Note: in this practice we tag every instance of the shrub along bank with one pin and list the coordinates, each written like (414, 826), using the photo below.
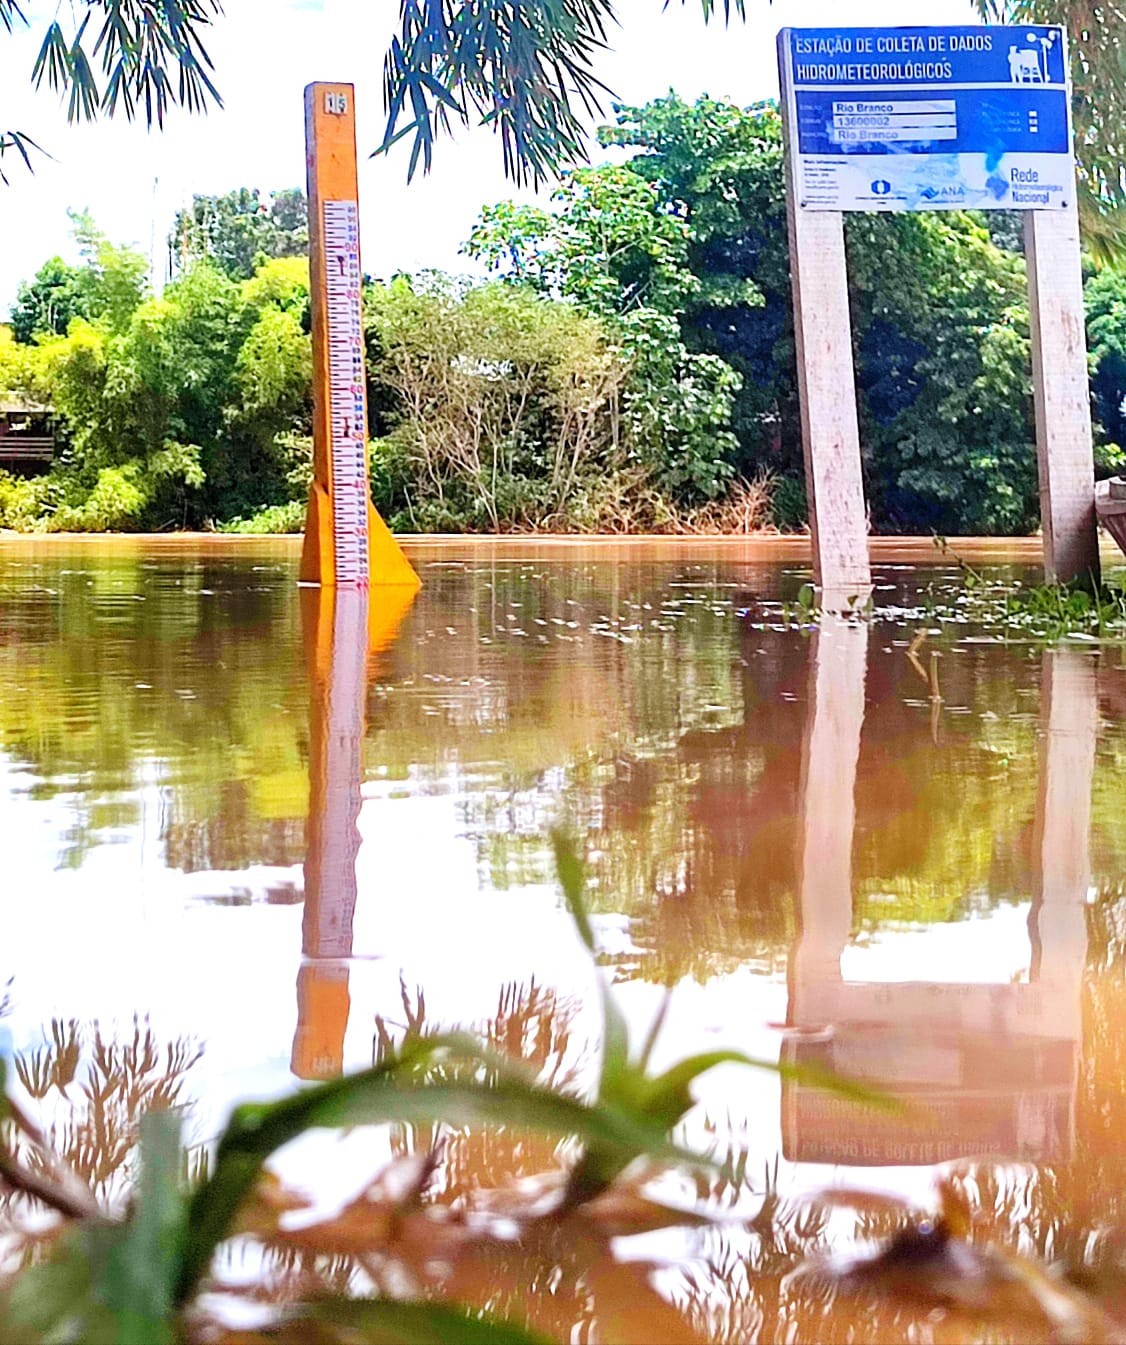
(629, 366)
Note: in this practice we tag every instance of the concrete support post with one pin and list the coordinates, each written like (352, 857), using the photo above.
(827, 387)
(1062, 395)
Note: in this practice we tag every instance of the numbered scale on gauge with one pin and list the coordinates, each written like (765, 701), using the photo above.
(347, 416)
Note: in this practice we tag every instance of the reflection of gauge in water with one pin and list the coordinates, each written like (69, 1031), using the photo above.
(346, 391)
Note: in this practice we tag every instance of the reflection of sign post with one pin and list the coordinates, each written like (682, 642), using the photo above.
(931, 119)
(346, 542)
(982, 1068)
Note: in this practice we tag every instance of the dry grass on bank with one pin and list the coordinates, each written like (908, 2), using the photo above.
(627, 503)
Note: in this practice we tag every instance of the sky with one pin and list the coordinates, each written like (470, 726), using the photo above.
(134, 180)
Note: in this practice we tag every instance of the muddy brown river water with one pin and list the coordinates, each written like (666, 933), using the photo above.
(230, 860)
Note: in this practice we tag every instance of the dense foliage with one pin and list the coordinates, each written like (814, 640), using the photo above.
(173, 411)
(630, 367)
(501, 407)
(238, 230)
(939, 313)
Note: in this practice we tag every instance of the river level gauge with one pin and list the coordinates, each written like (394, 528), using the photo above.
(346, 541)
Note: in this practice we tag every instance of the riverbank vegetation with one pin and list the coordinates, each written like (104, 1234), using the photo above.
(627, 364)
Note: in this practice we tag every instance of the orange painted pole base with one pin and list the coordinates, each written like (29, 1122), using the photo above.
(323, 1005)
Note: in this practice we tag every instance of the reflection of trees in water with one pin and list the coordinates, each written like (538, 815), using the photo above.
(531, 1024)
(118, 674)
(666, 725)
(696, 839)
(91, 1092)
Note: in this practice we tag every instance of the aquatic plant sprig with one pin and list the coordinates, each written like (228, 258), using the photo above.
(652, 1102)
(1041, 613)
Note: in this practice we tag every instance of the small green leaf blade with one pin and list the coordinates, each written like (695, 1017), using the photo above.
(385, 1322)
(143, 1266)
(569, 869)
(394, 1091)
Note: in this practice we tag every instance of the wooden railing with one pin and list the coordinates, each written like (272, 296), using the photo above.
(34, 446)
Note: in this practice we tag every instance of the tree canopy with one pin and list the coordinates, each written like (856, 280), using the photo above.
(239, 230)
(631, 367)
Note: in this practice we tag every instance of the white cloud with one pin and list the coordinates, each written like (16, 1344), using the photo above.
(134, 180)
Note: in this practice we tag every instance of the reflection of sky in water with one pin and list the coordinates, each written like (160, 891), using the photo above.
(628, 697)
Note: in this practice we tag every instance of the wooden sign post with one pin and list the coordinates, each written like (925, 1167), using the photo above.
(346, 541)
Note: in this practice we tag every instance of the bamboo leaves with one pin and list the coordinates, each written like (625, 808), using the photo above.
(516, 66)
(150, 53)
(525, 67)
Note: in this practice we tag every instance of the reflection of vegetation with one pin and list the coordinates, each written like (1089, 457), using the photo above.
(136, 1278)
(115, 677)
(531, 1024)
(627, 699)
(98, 1091)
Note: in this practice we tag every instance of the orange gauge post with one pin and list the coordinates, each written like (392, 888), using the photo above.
(346, 541)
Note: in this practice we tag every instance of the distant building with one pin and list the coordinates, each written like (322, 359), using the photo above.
(26, 437)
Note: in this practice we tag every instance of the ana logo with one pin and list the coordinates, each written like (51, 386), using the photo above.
(942, 193)
(881, 187)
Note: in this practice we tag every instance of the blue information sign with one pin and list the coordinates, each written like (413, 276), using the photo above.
(928, 118)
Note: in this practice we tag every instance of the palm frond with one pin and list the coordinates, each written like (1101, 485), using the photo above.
(11, 14)
(21, 144)
(524, 67)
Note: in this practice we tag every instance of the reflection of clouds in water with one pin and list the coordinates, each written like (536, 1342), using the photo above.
(987, 949)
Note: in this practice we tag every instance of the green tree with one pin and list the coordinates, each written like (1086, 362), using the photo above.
(499, 408)
(196, 408)
(237, 231)
(612, 247)
(1106, 334)
(108, 286)
(718, 170)
(49, 301)
(944, 365)
(695, 224)
(939, 322)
